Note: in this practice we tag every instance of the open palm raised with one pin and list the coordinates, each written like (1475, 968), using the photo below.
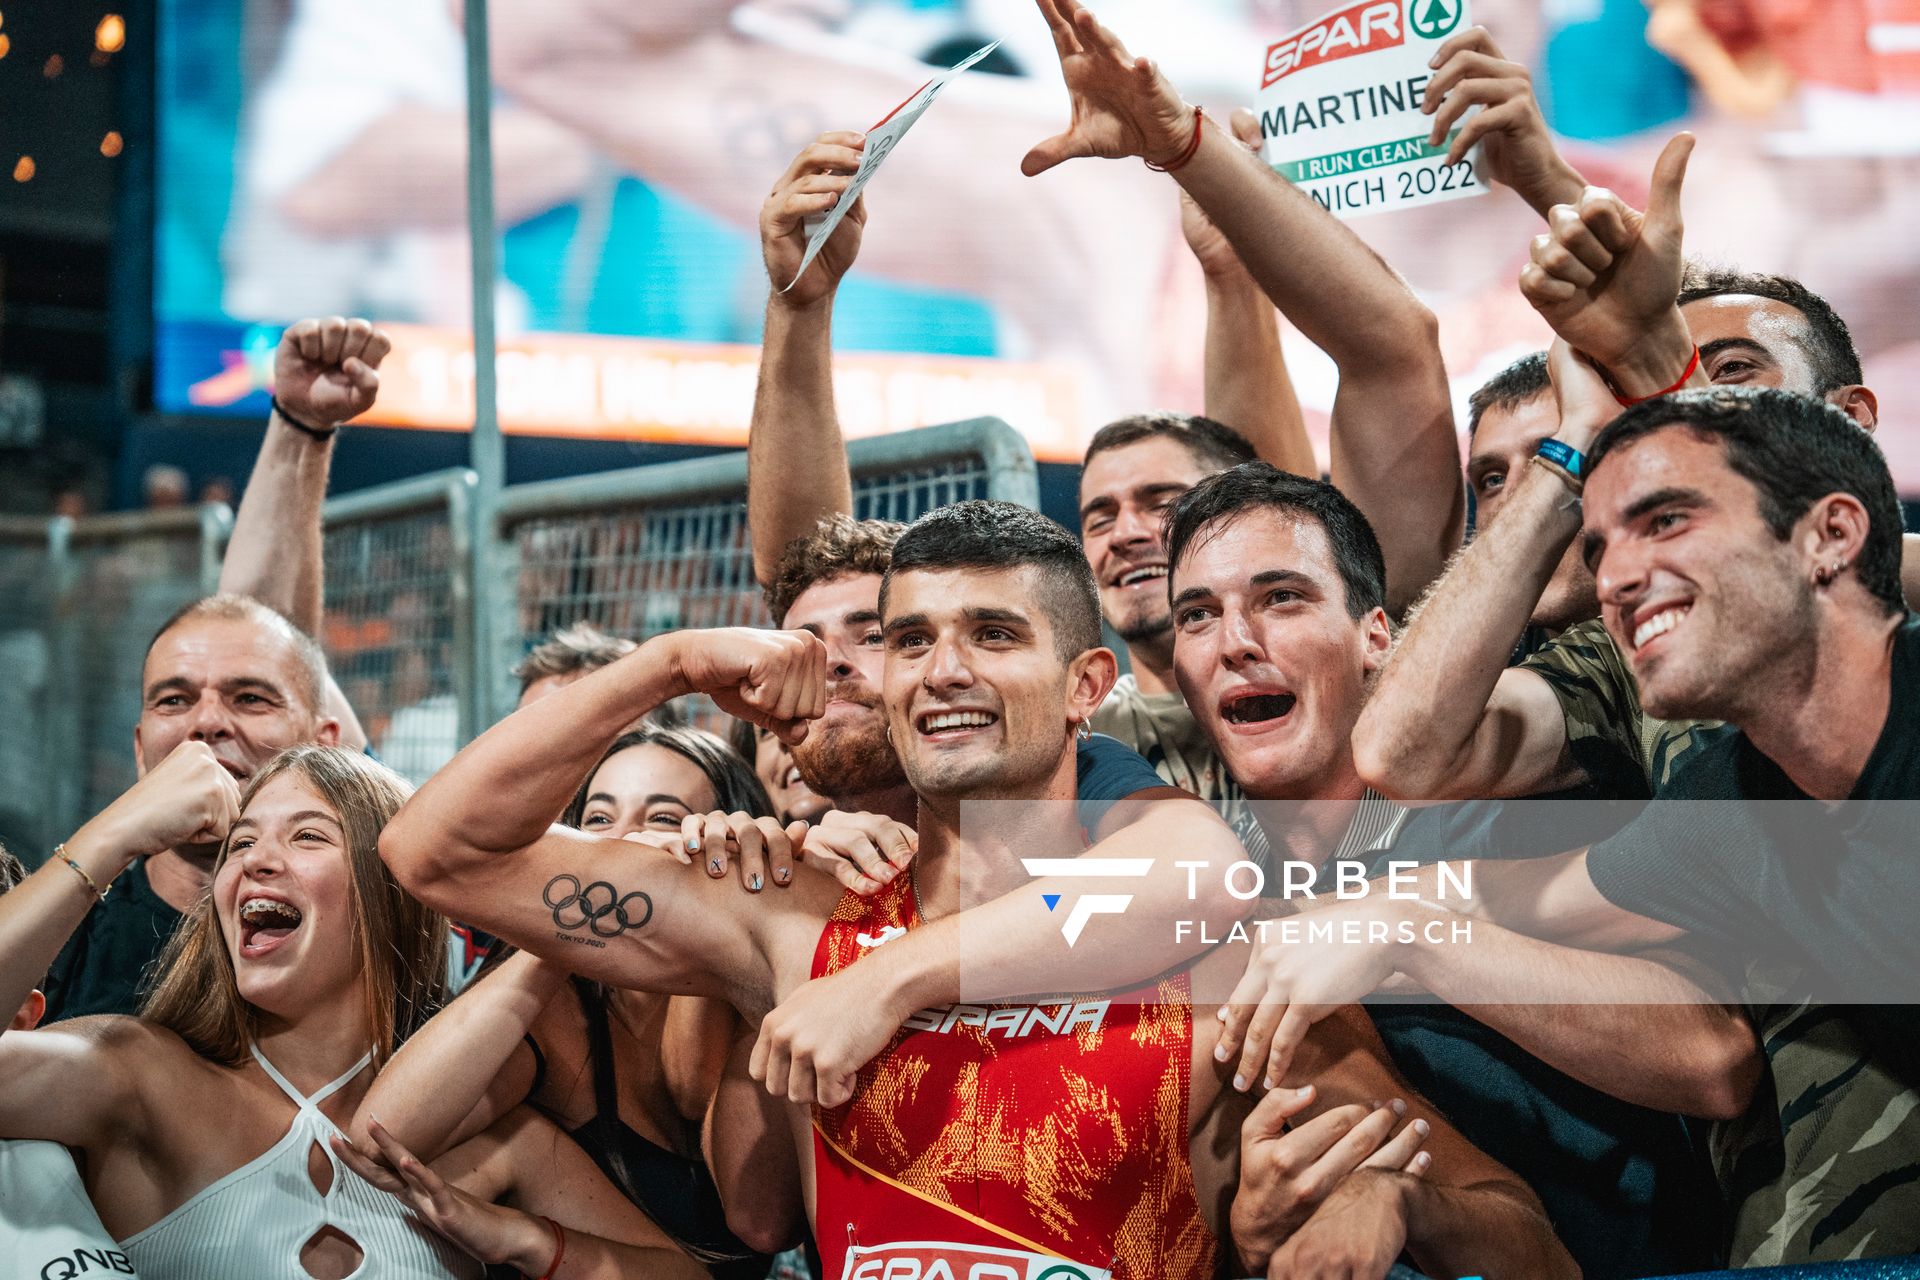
(1122, 105)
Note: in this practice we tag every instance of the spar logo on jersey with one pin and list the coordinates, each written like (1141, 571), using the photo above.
(940, 1260)
(1014, 1021)
(1088, 905)
(1360, 28)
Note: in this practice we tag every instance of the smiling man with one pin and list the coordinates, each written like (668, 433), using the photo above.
(992, 664)
(1279, 625)
(1705, 512)
(229, 672)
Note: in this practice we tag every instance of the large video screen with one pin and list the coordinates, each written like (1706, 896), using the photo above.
(313, 163)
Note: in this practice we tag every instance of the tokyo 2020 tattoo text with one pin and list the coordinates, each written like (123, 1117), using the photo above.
(596, 907)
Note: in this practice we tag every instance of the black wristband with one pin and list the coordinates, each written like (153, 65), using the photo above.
(318, 433)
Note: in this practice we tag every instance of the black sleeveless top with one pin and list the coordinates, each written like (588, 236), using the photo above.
(676, 1191)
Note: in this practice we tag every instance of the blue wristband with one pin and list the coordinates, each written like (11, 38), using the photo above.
(1561, 454)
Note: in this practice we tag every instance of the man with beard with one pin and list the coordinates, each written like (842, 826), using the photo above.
(230, 671)
(772, 761)
(990, 620)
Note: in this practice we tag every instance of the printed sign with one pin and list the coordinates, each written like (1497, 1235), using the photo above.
(1340, 108)
(881, 140)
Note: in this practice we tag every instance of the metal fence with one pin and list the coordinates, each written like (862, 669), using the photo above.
(398, 629)
(79, 602)
(660, 548)
(634, 552)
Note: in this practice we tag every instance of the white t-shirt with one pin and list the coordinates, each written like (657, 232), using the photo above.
(48, 1227)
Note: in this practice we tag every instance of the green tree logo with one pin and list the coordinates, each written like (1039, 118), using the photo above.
(1431, 19)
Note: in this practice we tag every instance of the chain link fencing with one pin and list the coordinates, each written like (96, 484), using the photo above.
(636, 553)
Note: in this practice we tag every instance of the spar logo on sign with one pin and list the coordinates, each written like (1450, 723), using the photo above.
(1432, 19)
(1359, 28)
(940, 1260)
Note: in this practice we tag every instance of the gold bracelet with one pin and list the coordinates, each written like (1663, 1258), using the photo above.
(60, 852)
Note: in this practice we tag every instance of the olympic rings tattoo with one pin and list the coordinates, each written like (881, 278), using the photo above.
(598, 906)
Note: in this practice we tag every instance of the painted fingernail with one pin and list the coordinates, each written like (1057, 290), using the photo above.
(1399, 1107)
(1222, 1015)
(693, 846)
(1240, 1083)
(716, 866)
(1268, 1083)
(783, 875)
(1221, 1053)
(1420, 1127)
(1421, 1161)
(753, 882)
(1303, 1091)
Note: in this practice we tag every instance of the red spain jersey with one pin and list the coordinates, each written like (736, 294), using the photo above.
(1012, 1141)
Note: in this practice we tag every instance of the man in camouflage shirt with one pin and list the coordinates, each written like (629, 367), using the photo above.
(1804, 1169)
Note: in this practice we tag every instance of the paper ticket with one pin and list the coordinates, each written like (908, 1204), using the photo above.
(881, 140)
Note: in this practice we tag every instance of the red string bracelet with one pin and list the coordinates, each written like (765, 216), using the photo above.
(1193, 145)
(559, 1249)
(1630, 401)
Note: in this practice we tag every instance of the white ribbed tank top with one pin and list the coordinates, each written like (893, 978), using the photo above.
(255, 1220)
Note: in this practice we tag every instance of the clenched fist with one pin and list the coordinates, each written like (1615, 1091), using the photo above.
(188, 798)
(775, 679)
(325, 371)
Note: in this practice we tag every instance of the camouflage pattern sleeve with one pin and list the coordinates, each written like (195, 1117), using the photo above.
(1598, 699)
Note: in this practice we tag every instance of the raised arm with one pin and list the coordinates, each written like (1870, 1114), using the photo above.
(1247, 383)
(1515, 148)
(1488, 730)
(797, 470)
(325, 372)
(1607, 276)
(1393, 440)
(188, 797)
(475, 841)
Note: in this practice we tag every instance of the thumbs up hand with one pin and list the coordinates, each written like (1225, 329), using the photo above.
(1606, 276)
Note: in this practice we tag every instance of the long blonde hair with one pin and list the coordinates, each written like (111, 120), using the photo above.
(403, 945)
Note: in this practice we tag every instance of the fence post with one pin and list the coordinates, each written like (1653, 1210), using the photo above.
(463, 600)
(66, 761)
(216, 523)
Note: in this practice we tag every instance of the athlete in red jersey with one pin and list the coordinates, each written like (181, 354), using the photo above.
(1121, 1152)
(1054, 1128)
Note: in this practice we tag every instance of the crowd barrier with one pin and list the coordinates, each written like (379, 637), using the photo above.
(655, 549)
(635, 552)
(79, 601)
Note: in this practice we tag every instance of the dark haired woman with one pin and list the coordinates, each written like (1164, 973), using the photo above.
(631, 1075)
